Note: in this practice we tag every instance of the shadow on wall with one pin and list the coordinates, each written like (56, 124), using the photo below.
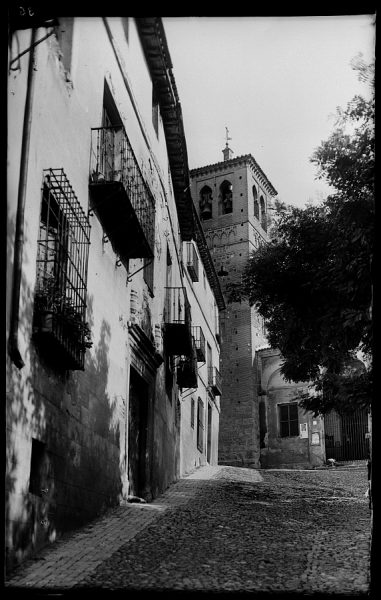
(62, 440)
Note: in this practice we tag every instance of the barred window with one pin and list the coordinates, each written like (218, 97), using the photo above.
(200, 424)
(288, 419)
(62, 258)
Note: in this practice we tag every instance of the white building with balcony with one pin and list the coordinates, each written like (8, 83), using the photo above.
(112, 389)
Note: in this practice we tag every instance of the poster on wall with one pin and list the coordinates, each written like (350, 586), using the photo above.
(303, 430)
(315, 439)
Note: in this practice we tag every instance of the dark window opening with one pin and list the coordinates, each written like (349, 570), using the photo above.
(206, 211)
(288, 420)
(192, 413)
(263, 213)
(226, 198)
(256, 204)
(37, 476)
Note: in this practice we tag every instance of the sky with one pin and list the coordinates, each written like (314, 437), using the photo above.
(274, 82)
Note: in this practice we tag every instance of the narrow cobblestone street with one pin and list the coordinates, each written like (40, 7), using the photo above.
(221, 529)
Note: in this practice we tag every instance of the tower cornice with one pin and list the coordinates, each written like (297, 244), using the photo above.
(244, 160)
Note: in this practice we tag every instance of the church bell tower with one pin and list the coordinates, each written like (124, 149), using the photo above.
(233, 198)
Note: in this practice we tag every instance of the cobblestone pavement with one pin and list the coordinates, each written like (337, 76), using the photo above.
(222, 529)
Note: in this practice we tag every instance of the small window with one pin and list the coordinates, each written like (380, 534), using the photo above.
(200, 424)
(37, 476)
(288, 420)
(192, 413)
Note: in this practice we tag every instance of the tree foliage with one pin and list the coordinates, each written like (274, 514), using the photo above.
(312, 282)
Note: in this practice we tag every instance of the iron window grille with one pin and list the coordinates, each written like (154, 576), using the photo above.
(199, 339)
(288, 420)
(62, 260)
(214, 381)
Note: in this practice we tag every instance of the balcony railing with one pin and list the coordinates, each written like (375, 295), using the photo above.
(199, 339)
(192, 260)
(214, 381)
(120, 197)
(177, 319)
(187, 371)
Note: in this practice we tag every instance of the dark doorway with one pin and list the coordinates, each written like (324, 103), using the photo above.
(137, 434)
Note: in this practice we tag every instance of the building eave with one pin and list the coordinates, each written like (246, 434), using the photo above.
(207, 261)
(156, 52)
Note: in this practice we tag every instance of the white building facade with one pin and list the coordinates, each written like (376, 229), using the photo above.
(98, 289)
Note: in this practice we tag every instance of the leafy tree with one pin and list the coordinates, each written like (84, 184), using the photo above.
(312, 283)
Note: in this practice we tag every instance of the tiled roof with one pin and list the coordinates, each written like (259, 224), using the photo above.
(156, 51)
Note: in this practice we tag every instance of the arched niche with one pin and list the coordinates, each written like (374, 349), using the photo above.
(205, 203)
(262, 206)
(256, 203)
(226, 198)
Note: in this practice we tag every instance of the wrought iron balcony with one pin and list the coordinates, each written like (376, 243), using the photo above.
(214, 381)
(187, 371)
(199, 339)
(191, 260)
(119, 195)
(177, 318)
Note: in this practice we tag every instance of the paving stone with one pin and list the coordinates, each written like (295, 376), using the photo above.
(223, 529)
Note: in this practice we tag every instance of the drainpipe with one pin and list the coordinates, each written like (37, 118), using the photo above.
(13, 348)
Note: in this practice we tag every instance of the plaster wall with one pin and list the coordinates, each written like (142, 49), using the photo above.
(304, 450)
(82, 417)
(204, 314)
